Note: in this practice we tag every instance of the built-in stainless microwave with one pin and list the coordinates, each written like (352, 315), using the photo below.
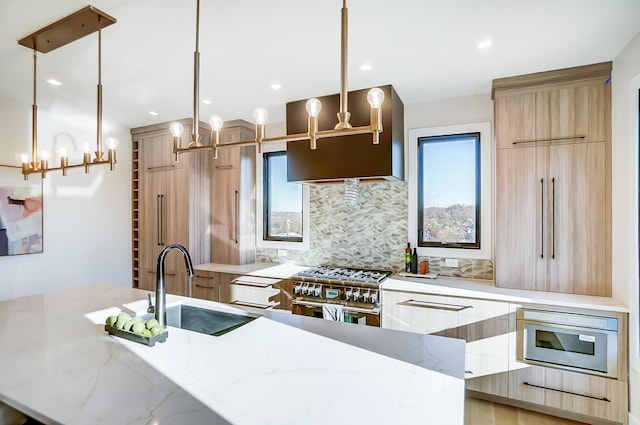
(571, 341)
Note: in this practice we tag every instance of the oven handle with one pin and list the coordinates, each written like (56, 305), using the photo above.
(434, 305)
(375, 310)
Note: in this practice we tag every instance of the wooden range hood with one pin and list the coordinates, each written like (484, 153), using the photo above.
(351, 156)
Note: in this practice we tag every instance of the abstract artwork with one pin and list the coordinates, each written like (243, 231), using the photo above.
(20, 213)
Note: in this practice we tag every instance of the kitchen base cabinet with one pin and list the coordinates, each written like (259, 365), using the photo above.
(570, 392)
(206, 285)
(175, 282)
(484, 324)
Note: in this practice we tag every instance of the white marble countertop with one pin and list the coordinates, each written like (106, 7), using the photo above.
(58, 364)
(485, 289)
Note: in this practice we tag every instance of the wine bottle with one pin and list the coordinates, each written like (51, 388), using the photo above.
(407, 258)
(414, 261)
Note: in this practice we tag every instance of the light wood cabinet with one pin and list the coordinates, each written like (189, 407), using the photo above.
(484, 324)
(553, 184)
(571, 392)
(207, 284)
(233, 197)
(167, 207)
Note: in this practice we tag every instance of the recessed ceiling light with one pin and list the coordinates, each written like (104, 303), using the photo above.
(153, 113)
(53, 82)
(206, 102)
(276, 86)
(484, 44)
(365, 67)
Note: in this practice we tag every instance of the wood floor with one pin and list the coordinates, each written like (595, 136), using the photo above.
(481, 412)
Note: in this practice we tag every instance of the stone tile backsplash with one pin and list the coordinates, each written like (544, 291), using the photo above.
(372, 235)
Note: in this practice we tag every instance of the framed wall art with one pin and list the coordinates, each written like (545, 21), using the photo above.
(20, 213)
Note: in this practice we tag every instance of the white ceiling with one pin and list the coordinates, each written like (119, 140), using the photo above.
(426, 49)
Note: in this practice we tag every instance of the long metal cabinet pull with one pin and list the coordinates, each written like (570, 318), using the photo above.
(160, 219)
(435, 305)
(542, 218)
(553, 218)
(566, 392)
(237, 216)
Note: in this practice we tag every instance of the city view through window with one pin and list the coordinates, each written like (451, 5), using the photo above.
(449, 190)
(283, 206)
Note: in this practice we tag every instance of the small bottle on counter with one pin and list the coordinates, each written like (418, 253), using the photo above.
(407, 258)
(414, 261)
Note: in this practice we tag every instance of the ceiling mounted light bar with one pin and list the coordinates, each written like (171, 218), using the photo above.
(375, 97)
(58, 34)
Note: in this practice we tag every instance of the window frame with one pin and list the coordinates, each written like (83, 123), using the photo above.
(306, 231)
(443, 138)
(266, 198)
(486, 189)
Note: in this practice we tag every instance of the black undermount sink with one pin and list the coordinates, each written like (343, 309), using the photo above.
(204, 320)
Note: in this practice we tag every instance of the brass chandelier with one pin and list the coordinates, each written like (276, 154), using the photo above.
(375, 97)
(60, 33)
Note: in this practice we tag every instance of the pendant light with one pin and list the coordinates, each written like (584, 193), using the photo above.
(58, 34)
(375, 97)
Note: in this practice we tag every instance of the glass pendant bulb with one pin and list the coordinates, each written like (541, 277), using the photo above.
(63, 152)
(216, 122)
(44, 155)
(112, 143)
(24, 158)
(314, 106)
(176, 129)
(260, 116)
(375, 97)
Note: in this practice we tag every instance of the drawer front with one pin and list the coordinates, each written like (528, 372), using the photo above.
(206, 287)
(253, 296)
(580, 393)
(175, 282)
(426, 313)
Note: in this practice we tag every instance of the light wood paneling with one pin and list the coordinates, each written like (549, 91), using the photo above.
(578, 231)
(482, 412)
(554, 134)
(233, 198)
(520, 219)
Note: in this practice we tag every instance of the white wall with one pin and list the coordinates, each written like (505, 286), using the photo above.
(87, 218)
(626, 83)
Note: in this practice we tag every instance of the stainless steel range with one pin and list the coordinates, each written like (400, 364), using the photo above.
(353, 293)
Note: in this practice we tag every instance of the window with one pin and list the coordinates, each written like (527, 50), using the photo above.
(449, 191)
(433, 143)
(282, 201)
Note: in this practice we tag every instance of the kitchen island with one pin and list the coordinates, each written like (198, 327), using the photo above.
(58, 365)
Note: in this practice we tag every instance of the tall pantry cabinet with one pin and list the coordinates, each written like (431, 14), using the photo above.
(553, 184)
(169, 203)
(233, 197)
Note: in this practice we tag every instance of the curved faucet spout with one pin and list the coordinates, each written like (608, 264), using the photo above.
(161, 289)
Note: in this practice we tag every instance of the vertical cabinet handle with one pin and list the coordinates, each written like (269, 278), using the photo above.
(160, 217)
(542, 218)
(237, 216)
(553, 218)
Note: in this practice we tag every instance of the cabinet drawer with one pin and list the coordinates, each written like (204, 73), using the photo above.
(206, 287)
(574, 392)
(175, 282)
(253, 296)
(427, 313)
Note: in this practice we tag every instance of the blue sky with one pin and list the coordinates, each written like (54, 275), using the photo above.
(449, 173)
